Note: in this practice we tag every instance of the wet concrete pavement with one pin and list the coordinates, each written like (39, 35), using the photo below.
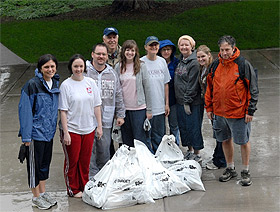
(262, 195)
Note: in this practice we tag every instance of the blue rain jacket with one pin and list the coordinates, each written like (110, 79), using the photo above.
(171, 66)
(38, 109)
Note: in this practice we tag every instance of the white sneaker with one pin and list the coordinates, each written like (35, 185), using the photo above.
(211, 166)
(49, 199)
(41, 203)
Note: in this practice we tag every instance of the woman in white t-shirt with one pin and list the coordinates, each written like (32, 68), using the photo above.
(136, 94)
(79, 105)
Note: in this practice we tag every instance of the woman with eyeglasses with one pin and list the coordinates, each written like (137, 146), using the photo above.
(167, 50)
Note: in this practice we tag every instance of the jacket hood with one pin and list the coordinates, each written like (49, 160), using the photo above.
(164, 43)
(189, 58)
(91, 67)
(40, 75)
(232, 58)
(55, 78)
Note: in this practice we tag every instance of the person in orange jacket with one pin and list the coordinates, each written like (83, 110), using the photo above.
(231, 102)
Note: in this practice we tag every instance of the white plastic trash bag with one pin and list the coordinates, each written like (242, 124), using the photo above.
(119, 183)
(160, 182)
(168, 150)
(127, 184)
(189, 171)
(96, 190)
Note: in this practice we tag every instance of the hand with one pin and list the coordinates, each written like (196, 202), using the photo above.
(67, 139)
(248, 118)
(187, 109)
(27, 143)
(120, 121)
(167, 110)
(210, 115)
(99, 132)
(149, 115)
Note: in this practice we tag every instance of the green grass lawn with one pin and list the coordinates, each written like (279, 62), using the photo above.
(254, 24)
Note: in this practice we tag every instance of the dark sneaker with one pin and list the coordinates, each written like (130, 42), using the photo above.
(197, 158)
(41, 203)
(49, 199)
(227, 175)
(189, 155)
(245, 178)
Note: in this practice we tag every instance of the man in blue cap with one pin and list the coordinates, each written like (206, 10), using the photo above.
(111, 39)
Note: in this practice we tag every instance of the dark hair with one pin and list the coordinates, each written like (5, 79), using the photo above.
(73, 58)
(99, 44)
(130, 44)
(227, 39)
(44, 59)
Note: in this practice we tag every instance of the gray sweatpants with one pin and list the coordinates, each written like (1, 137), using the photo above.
(100, 152)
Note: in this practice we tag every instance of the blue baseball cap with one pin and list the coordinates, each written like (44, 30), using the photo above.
(151, 39)
(110, 30)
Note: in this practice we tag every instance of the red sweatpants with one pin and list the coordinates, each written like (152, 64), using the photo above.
(77, 159)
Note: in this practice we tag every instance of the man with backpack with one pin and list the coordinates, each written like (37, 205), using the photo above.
(230, 101)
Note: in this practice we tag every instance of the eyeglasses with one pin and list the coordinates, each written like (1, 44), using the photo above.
(166, 50)
(99, 54)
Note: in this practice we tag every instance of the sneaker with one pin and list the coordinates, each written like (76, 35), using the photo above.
(227, 175)
(211, 166)
(189, 155)
(197, 158)
(245, 178)
(49, 199)
(41, 203)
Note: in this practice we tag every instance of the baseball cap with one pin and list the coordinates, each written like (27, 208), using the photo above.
(151, 39)
(110, 30)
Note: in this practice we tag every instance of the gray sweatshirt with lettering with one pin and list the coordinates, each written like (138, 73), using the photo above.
(111, 93)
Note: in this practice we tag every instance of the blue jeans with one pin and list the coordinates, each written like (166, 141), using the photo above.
(190, 126)
(157, 130)
(133, 128)
(173, 124)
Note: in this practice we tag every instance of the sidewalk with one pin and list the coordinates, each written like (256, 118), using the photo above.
(262, 195)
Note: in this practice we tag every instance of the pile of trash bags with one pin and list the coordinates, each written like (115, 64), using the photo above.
(136, 176)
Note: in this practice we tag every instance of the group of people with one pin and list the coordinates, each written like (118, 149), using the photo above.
(118, 87)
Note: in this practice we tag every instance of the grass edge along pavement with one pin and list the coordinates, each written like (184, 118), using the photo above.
(254, 24)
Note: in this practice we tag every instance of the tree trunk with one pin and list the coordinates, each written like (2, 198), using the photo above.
(132, 5)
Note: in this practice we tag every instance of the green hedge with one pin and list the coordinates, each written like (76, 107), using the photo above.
(254, 24)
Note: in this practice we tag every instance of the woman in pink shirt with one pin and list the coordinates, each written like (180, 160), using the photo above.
(136, 94)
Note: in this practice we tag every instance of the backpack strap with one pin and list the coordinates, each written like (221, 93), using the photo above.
(213, 67)
(240, 61)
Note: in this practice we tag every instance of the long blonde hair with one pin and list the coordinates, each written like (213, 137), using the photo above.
(130, 44)
(206, 50)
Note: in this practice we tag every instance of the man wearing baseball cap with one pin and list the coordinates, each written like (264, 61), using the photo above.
(111, 39)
